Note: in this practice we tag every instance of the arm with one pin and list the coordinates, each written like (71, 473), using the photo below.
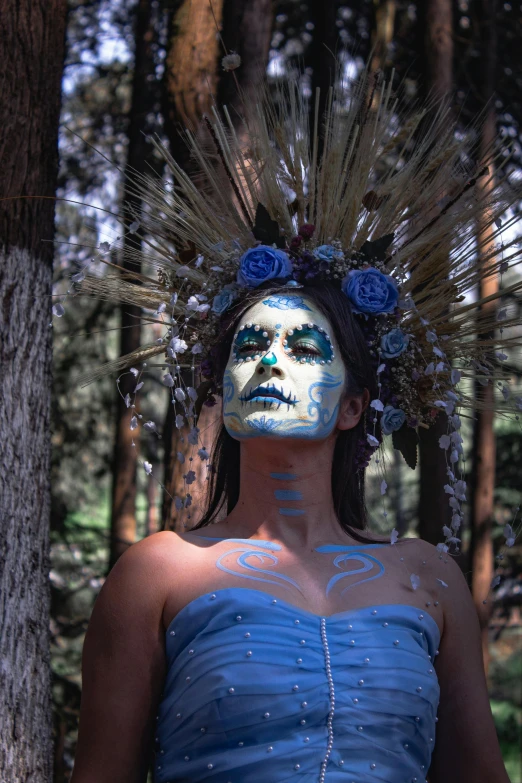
(466, 747)
(123, 669)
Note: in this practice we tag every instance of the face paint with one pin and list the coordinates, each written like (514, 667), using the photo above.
(284, 377)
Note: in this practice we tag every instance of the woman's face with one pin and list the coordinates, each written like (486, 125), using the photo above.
(285, 377)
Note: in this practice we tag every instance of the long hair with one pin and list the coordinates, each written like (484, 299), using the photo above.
(360, 364)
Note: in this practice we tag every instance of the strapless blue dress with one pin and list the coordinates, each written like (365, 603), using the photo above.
(260, 691)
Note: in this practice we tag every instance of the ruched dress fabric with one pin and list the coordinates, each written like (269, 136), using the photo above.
(260, 691)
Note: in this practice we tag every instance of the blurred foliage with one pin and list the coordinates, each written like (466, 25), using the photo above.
(93, 142)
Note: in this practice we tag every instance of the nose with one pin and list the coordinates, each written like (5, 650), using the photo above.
(268, 367)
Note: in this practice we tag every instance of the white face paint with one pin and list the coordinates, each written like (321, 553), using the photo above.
(285, 377)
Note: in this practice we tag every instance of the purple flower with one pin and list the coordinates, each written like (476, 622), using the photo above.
(263, 263)
(370, 292)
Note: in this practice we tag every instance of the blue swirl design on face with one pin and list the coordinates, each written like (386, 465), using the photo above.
(322, 419)
(263, 424)
(352, 553)
(246, 553)
(228, 387)
(281, 302)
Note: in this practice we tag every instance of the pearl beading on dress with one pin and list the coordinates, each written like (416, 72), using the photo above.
(331, 689)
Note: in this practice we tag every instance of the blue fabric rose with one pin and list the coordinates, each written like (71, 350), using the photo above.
(224, 299)
(327, 253)
(370, 292)
(392, 419)
(262, 263)
(393, 343)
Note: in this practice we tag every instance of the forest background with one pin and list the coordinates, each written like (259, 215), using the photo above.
(85, 82)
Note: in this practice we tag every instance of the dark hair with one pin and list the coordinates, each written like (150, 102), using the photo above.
(347, 476)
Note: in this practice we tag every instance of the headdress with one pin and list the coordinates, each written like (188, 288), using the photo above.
(383, 205)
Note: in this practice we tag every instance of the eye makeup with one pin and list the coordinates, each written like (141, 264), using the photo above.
(309, 343)
(250, 342)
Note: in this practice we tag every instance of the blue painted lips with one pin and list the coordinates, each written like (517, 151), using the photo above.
(268, 394)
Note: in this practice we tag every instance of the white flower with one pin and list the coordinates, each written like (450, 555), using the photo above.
(177, 345)
(455, 377)
(138, 386)
(133, 422)
(192, 303)
(394, 536)
(460, 490)
(168, 380)
(377, 405)
(384, 487)
(193, 436)
(150, 426)
(179, 421)
(181, 457)
(372, 441)
(231, 61)
(147, 467)
(134, 371)
(58, 310)
(444, 441)
(179, 394)
(197, 348)
(415, 581)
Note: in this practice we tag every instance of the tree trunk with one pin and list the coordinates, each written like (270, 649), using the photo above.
(247, 30)
(436, 37)
(32, 37)
(322, 55)
(123, 515)
(383, 25)
(191, 72)
(484, 448)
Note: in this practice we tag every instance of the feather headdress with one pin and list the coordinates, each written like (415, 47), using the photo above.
(394, 209)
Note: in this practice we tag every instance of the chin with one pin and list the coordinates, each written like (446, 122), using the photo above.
(275, 425)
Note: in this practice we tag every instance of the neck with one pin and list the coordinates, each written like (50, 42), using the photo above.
(286, 493)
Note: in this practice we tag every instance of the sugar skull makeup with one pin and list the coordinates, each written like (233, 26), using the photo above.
(284, 377)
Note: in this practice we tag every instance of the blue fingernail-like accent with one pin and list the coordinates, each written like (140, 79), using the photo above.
(291, 512)
(284, 476)
(288, 494)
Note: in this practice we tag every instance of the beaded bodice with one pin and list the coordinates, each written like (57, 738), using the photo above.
(258, 689)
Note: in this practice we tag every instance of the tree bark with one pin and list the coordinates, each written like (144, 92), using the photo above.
(382, 32)
(484, 445)
(436, 36)
(191, 72)
(32, 37)
(247, 30)
(123, 512)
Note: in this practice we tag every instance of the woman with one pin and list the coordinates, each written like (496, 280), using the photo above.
(283, 643)
(286, 642)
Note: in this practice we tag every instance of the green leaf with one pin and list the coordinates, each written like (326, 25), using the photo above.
(405, 440)
(376, 249)
(267, 230)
